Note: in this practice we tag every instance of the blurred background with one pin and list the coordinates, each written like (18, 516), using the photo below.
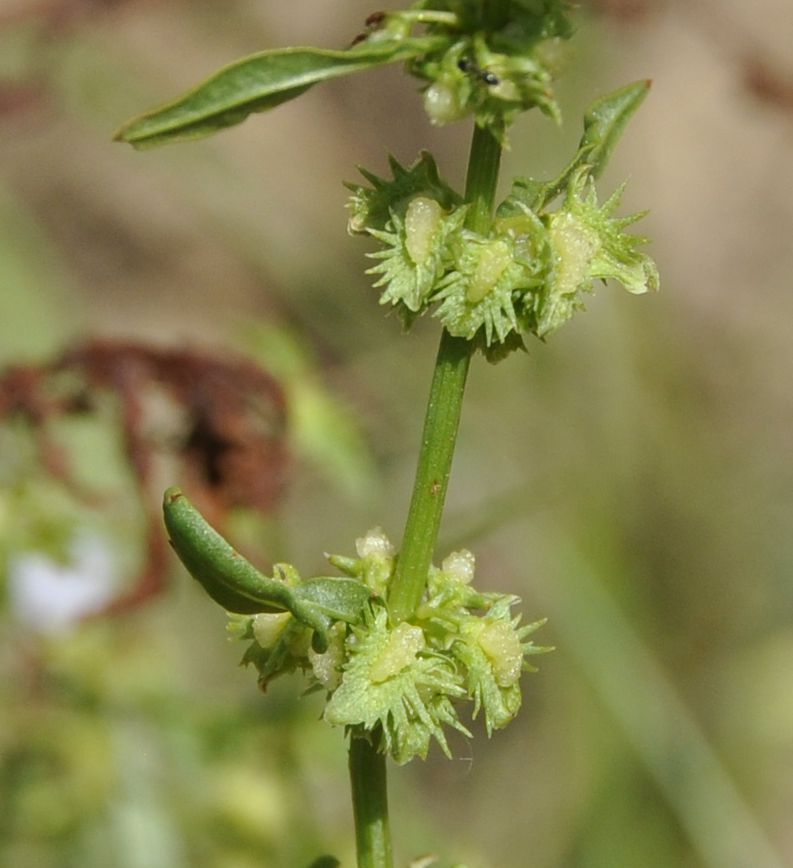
(632, 479)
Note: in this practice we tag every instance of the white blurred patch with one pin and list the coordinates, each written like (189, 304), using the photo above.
(51, 597)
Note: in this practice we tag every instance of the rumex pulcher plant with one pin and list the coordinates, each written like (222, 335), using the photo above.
(398, 644)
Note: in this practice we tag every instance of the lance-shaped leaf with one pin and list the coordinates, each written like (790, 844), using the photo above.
(604, 123)
(260, 82)
(239, 587)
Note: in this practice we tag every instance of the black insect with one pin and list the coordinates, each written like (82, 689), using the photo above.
(374, 20)
(372, 23)
(466, 65)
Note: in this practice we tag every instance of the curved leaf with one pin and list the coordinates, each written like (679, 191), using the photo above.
(260, 82)
(239, 587)
(225, 574)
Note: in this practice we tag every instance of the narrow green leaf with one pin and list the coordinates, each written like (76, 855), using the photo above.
(225, 574)
(260, 82)
(604, 123)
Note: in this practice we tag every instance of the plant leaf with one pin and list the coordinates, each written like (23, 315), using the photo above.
(260, 82)
(604, 123)
(339, 598)
(226, 575)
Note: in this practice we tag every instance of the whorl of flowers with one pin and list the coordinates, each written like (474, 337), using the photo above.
(405, 683)
(527, 275)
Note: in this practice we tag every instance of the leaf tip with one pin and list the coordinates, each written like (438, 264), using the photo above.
(172, 494)
(124, 132)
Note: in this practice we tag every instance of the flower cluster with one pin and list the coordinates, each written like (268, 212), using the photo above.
(526, 275)
(493, 70)
(404, 682)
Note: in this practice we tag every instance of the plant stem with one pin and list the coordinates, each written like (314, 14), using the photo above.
(443, 409)
(367, 766)
(432, 476)
(369, 801)
(482, 178)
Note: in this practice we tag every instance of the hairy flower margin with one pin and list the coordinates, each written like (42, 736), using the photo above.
(526, 276)
(405, 683)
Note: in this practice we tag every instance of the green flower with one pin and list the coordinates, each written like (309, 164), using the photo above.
(374, 565)
(526, 275)
(586, 243)
(326, 667)
(481, 291)
(478, 632)
(417, 252)
(394, 682)
(373, 207)
(404, 683)
(415, 216)
(494, 75)
(492, 651)
(286, 651)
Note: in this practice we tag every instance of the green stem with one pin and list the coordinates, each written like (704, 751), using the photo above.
(367, 766)
(432, 476)
(369, 801)
(443, 409)
(482, 178)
